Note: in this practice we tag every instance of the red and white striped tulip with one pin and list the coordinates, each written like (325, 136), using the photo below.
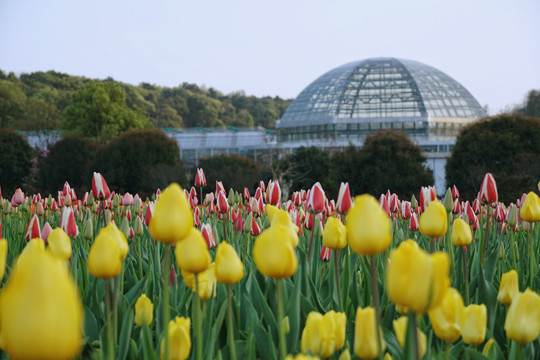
(67, 189)
(67, 222)
(222, 203)
(414, 224)
(326, 253)
(100, 190)
(344, 201)
(262, 186)
(455, 192)
(273, 193)
(219, 187)
(406, 211)
(127, 199)
(500, 213)
(245, 194)
(32, 229)
(46, 231)
(427, 195)
(148, 213)
(316, 199)
(17, 198)
(208, 235)
(255, 228)
(488, 190)
(200, 179)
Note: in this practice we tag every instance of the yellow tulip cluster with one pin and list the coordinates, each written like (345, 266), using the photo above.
(323, 334)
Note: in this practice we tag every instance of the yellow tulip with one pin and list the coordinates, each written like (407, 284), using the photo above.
(172, 219)
(334, 234)
(282, 218)
(301, 357)
(271, 210)
(3, 256)
(487, 347)
(446, 318)
(368, 226)
(473, 328)
(323, 335)
(192, 253)
(59, 244)
(345, 355)
(207, 282)
(400, 328)
(522, 322)
(229, 268)
(42, 313)
(415, 279)
(365, 341)
(112, 230)
(530, 209)
(461, 233)
(144, 310)
(179, 339)
(509, 287)
(433, 220)
(104, 258)
(274, 253)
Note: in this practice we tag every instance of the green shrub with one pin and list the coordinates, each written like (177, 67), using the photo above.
(140, 161)
(15, 155)
(70, 160)
(508, 146)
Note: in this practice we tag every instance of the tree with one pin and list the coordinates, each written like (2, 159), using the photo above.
(508, 146)
(12, 102)
(99, 111)
(308, 166)
(15, 155)
(69, 159)
(387, 161)
(140, 161)
(531, 105)
(233, 171)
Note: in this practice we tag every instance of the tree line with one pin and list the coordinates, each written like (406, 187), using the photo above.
(103, 109)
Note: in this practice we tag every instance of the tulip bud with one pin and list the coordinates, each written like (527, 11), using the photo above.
(192, 253)
(67, 222)
(473, 328)
(316, 199)
(334, 234)
(222, 202)
(365, 341)
(229, 269)
(414, 224)
(509, 287)
(461, 233)
(179, 339)
(247, 223)
(512, 215)
(255, 227)
(172, 219)
(100, 190)
(448, 202)
(273, 195)
(207, 282)
(200, 179)
(124, 227)
(530, 209)
(433, 220)
(104, 258)
(368, 226)
(3, 257)
(88, 229)
(32, 229)
(400, 328)
(274, 252)
(522, 322)
(40, 303)
(488, 189)
(144, 310)
(59, 244)
(208, 235)
(326, 254)
(447, 318)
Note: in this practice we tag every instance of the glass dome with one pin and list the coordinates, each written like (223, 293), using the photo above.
(381, 93)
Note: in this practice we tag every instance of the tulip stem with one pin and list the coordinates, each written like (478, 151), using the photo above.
(336, 268)
(412, 327)
(465, 276)
(201, 199)
(110, 348)
(513, 245)
(140, 256)
(375, 295)
(282, 347)
(531, 256)
(447, 351)
(197, 316)
(311, 238)
(432, 244)
(224, 227)
(486, 233)
(232, 347)
(166, 299)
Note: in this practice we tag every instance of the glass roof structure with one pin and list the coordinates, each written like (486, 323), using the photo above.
(381, 90)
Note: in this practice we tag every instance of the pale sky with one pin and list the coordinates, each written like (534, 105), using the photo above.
(276, 47)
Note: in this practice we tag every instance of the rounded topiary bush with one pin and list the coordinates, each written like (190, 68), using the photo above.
(507, 145)
(15, 155)
(140, 161)
(70, 160)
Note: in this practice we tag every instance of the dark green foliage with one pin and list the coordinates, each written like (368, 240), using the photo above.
(308, 166)
(233, 171)
(70, 160)
(531, 104)
(508, 146)
(15, 155)
(140, 161)
(388, 160)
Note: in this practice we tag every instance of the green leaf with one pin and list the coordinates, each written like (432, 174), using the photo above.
(147, 344)
(91, 328)
(125, 335)
(133, 294)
